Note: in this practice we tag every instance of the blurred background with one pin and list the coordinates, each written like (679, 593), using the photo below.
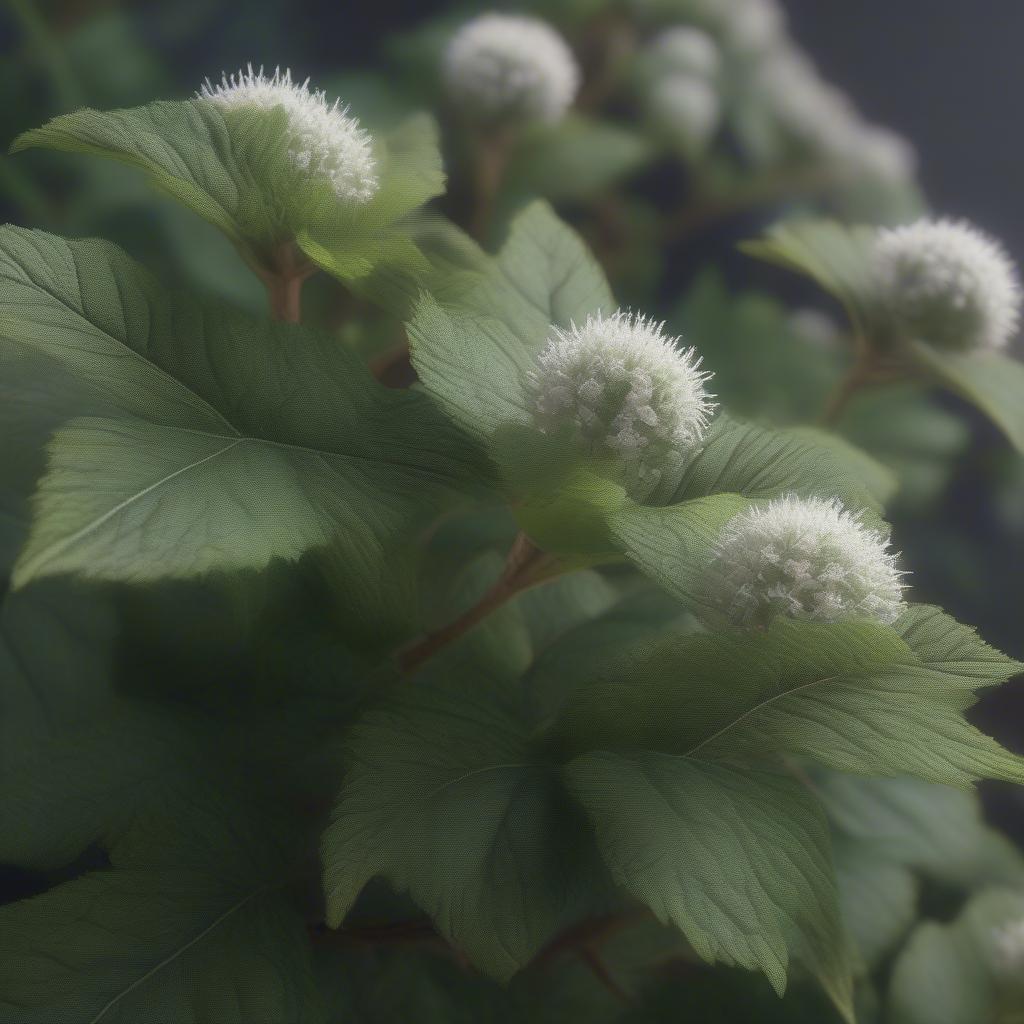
(944, 74)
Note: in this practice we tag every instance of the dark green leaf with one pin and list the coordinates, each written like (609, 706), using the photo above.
(213, 441)
(737, 859)
(446, 798)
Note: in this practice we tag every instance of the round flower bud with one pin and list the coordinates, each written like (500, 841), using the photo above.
(500, 67)
(806, 558)
(685, 50)
(754, 25)
(624, 390)
(883, 155)
(324, 140)
(684, 109)
(947, 283)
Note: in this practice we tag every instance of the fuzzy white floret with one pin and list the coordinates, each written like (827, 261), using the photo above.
(324, 140)
(508, 66)
(685, 108)
(806, 558)
(685, 50)
(948, 283)
(625, 390)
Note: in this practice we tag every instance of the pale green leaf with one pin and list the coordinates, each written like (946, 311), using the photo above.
(992, 381)
(835, 256)
(234, 169)
(855, 696)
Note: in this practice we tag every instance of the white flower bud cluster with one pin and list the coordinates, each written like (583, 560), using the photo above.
(625, 391)
(822, 118)
(324, 140)
(806, 558)
(947, 283)
(509, 67)
(686, 51)
(682, 95)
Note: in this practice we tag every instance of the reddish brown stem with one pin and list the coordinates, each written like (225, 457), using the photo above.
(523, 568)
(283, 276)
(490, 160)
(862, 374)
(593, 960)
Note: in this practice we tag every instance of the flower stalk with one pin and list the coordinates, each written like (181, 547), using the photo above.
(525, 566)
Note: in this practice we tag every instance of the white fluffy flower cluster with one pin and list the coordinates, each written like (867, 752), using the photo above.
(806, 558)
(499, 67)
(822, 118)
(947, 283)
(626, 391)
(324, 140)
(686, 51)
(682, 92)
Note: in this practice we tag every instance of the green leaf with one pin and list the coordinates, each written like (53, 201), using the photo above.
(576, 160)
(992, 381)
(877, 897)
(737, 859)
(233, 168)
(951, 974)
(833, 255)
(213, 441)
(854, 696)
(446, 798)
(474, 352)
(193, 929)
(880, 481)
(760, 463)
(86, 782)
(932, 829)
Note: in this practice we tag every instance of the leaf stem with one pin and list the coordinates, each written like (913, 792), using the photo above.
(490, 159)
(283, 276)
(525, 566)
(867, 370)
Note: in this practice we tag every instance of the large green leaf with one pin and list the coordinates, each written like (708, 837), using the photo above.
(738, 859)
(992, 381)
(191, 924)
(446, 798)
(233, 168)
(208, 440)
(855, 696)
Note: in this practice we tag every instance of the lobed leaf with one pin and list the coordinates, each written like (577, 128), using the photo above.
(737, 859)
(446, 799)
(854, 696)
(207, 440)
